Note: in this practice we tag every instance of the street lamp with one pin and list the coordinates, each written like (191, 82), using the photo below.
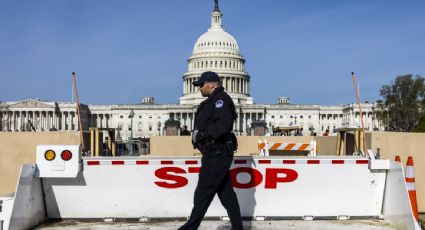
(131, 127)
(131, 131)
(270, 129)
(159, 128)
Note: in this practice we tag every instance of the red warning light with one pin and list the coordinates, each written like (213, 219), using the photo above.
(66, 155)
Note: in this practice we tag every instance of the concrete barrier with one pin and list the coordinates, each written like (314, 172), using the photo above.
(404, 145)
(19, 148)
(267, 187)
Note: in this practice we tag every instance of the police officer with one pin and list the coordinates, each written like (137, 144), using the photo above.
(212, 136)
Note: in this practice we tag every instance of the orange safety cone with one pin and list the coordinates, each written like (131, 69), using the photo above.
(261, 146)
(397, 158)
(410, 182)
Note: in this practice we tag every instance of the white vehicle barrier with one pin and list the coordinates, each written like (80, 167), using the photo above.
(162, 187)
(264, 147)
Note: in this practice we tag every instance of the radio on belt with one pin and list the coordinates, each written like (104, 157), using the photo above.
(59, 160)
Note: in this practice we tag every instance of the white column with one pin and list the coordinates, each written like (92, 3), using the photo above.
(39, 121)
(72, 118)
(20, 121)
(65, 118)
(244, 86)
(74, 121)
(110, 121)
(103, 121)
(42, 121)
(54, 120)
(12, 125)
(188, 120)
(243, 123)
(13, 121)
(98, 121)
(58, 121)
(46, 116)
(49, 120)
(61, 121)
(7, 123)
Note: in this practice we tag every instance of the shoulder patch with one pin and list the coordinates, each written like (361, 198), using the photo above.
(219, 104)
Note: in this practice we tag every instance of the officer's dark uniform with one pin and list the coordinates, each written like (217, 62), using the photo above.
(214, 122)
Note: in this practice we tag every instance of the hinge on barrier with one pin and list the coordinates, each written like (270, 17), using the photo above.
(308, 218)
(343, 217)
(143, 219)
(108, 220)
(377, 163)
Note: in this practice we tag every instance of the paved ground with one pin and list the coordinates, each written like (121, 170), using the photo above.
(225, 225)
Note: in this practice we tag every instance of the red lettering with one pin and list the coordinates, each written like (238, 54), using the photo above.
(174, 181)
(272, 176)
(255, 177)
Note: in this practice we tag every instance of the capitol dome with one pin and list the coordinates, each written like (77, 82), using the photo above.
(216, 40)
(216, 50)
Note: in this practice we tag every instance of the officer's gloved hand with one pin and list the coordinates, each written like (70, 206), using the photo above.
(194, 134)
(200, 136)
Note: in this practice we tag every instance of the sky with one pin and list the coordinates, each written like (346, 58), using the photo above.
(124, 50)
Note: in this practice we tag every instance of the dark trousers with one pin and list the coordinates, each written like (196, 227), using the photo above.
(214, 178)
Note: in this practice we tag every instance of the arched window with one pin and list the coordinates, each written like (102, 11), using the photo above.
(215, 64)
(225, 64)
(221, 64)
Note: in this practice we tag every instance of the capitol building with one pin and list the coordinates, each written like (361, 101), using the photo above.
(215, 50)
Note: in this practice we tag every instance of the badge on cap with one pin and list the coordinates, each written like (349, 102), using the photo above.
(219, 104)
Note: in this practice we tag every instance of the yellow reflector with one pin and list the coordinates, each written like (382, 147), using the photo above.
(49, 155)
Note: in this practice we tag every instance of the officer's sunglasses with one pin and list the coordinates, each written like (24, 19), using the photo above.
(203, 83)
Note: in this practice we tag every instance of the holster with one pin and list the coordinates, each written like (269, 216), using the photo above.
(229, 147)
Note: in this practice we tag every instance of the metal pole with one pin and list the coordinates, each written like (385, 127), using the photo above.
(79, 113)
(361, 111)
(131, 137)
(131, 132)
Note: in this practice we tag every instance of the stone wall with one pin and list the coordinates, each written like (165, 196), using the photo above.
(20, 148)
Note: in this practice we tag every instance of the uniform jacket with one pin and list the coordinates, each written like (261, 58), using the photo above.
(215, 116)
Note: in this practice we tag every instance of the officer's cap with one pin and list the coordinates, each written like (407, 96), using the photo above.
(208, 76)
